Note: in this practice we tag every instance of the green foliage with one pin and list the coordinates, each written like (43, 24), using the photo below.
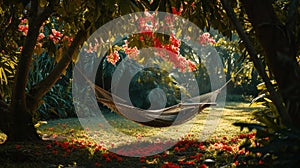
(278, 145)
(7, 73)
(57, 103)
(269, 116)
(151, 78)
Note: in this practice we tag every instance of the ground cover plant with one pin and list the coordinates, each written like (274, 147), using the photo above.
(69, 145)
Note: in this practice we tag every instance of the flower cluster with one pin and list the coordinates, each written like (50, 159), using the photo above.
(205, 39)
(113, 57)
(166, 48)
(23, 27)
(148, 24)
(171, 52)
(131, 52)
(55, 36)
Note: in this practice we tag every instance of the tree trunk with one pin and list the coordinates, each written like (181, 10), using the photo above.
(280, 52)
(21, 128)
(19, 119)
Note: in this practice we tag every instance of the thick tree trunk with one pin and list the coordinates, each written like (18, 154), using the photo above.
(279, 46)
(22, 128)
(19, 118)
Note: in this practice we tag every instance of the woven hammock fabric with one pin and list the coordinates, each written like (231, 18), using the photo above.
(173, 115)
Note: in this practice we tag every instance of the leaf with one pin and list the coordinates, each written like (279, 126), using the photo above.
(257, 98)
(58, 55)
(43, 3)
(268, 100)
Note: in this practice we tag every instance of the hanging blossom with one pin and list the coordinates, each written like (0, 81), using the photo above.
(205, 39)
(148, 24)
(113, 57)
(131, 52)
(55, 36)
(179, 12)
(23, 27)
(171, 52)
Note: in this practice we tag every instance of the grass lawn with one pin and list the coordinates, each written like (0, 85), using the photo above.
(70, 145)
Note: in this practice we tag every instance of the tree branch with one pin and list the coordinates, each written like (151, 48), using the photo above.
(292, 16)
(275, 97)
(38, 91)
(35, 22)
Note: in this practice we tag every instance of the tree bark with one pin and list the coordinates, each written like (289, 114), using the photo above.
(19, 117)
(20, 128)
(280, 52)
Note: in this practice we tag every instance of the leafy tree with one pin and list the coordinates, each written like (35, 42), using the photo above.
(75, 19)
(269, 35)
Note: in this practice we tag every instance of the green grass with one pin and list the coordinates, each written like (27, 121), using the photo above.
(70, 130)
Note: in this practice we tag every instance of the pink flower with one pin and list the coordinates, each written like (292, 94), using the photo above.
(97, 164)
(147, 23)
(132, 52)
(23, 29)
(40, 37)
(24, 21)
(205, 39)
(191, 66)
(56, 33)
(113, 57)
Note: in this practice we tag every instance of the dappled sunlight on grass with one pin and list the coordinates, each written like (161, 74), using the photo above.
(71, 145)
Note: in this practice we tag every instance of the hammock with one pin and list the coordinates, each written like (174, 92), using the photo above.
(173, 115)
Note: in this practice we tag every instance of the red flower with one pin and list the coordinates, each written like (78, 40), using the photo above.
(175, 12)
(18, 146)
(203, 166)
(190, 162)
(40, 37)
(170, 165)
(132, 52)
(54, 151)
(113, 57)
(191, 66)
(48, 146)
(205, 38)
(97, 164)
